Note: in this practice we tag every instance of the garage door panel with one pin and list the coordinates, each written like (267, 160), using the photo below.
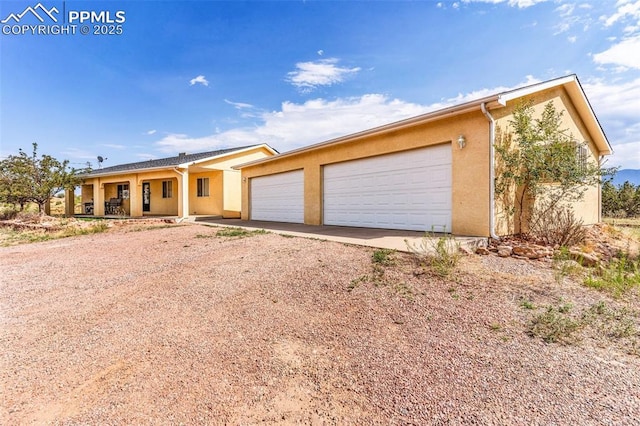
(407, 190)
(278, 197)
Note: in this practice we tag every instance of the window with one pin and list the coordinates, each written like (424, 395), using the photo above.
(167, 189)
(123, 190)
(203, 187)
(582, 155)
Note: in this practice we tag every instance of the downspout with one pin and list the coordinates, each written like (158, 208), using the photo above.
(600, 162)
(492, 172)
(180, 219)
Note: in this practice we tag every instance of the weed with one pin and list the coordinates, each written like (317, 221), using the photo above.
(611, 322)
(383, 257)
(441, 253)
(454, 293)
(598, 321)
(404, 290)
(239, 232)
(553, 325)
(563, 265)
(527, 304)
(357, 281)
(617, 278)
(494, 326)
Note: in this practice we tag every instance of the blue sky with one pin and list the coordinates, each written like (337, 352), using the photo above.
(190, 76)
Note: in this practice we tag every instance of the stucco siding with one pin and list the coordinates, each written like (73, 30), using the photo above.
(470, 171)
(588, 209)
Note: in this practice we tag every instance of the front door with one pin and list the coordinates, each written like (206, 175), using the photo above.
(146, 196)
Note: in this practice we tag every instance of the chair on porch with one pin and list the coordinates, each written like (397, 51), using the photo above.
(113, 206)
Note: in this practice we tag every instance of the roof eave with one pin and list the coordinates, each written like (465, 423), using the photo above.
(124, 172)
(398, 125)
(263, 145)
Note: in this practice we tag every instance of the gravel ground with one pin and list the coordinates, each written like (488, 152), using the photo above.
(179, 326)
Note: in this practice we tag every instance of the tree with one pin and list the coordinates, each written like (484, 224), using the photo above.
(28, 178)
(621, 201)
(541, 166)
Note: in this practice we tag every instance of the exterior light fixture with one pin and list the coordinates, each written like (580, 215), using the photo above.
(462, 142)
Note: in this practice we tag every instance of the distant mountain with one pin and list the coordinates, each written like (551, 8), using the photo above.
(633, 176)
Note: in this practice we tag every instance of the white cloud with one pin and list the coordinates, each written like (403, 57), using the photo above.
(626, 8)
(238, 105)
(297, 125)
(522, 4)
(324, 72)
(151, 132)
(320, 52)
(572, 39)
(626, 156)
(199, 80)
(617, 106)
(624, 54)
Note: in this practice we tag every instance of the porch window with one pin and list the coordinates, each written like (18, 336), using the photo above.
(203, 187)
(167, 189)
(123, 190)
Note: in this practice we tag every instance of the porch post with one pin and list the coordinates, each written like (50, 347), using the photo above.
(98, 198)
(183, 207)
(135, 201)
(69, 202)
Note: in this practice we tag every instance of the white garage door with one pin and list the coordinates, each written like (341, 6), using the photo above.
(408, 190)
(278, 198)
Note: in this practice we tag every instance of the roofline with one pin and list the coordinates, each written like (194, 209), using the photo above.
(186, 165)
(576, 93)
(124, 172)
(176, 166)
(409, 122)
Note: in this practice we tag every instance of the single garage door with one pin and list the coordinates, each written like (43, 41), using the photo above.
(408, 190)
(278, 198)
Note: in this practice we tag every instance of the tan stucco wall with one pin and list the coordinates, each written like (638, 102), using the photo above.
(232, 202)
(224, 191)
(470, 166)
(588, 209)
(105, 187)
(470, 180)
(211, 204)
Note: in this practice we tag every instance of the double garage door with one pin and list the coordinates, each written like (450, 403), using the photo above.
(408, 190)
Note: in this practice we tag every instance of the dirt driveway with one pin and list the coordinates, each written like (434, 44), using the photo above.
(180, 326)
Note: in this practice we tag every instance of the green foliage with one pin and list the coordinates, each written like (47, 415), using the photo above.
(11, 237)
(239, 232)
(616, 279)
(563, 265)
(538, 160)
(555, 325)
(559, 324)
(383, 257)
(620, 201)
(29, 178)
(527, 304)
